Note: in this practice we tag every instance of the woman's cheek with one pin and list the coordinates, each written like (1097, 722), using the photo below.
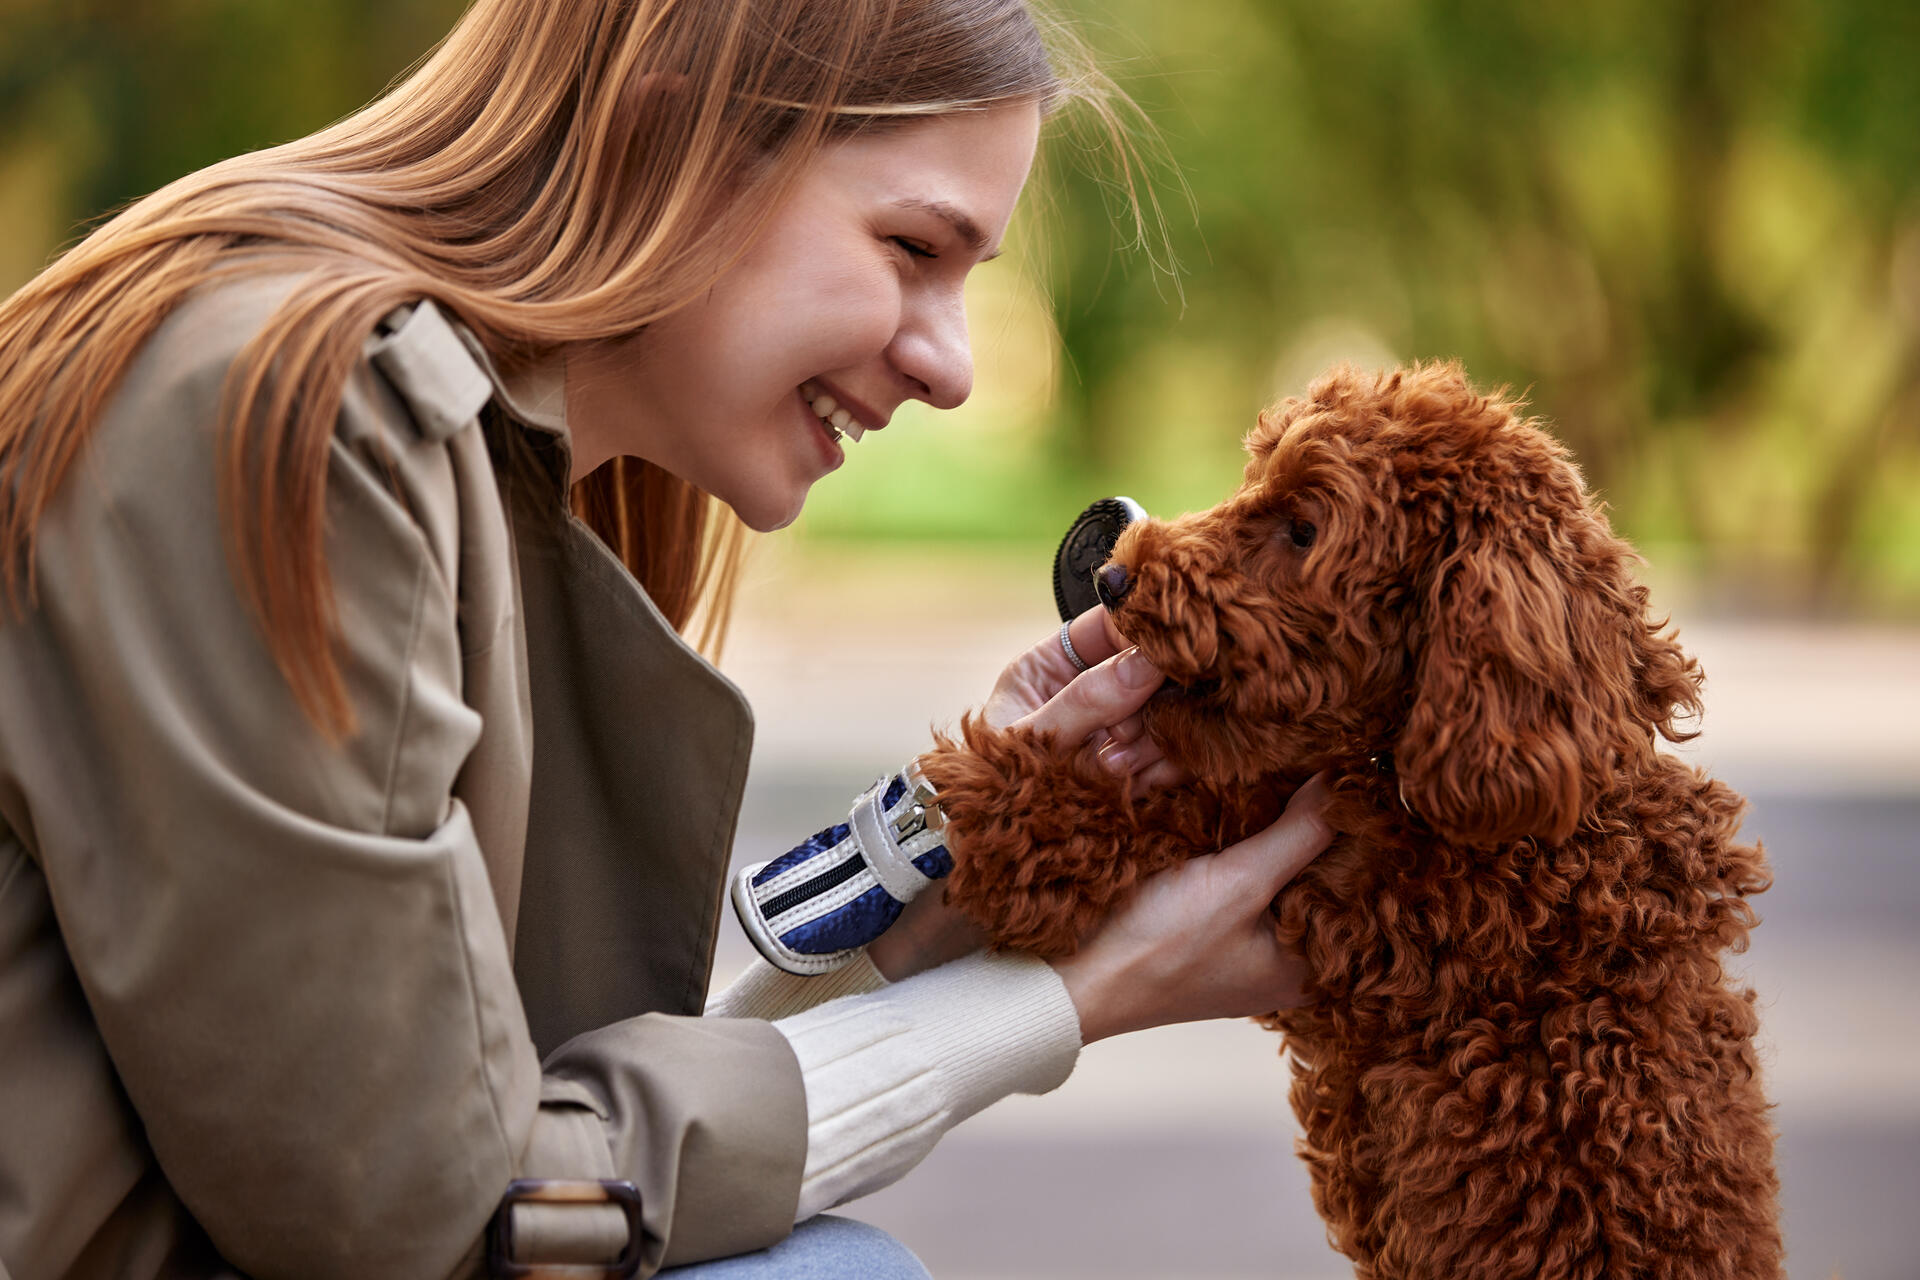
(864, 331)
(868, 307)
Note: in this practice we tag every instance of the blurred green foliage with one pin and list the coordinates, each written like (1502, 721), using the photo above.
(1689, 229)
(104, 100)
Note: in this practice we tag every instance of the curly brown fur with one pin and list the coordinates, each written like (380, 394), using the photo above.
(1016, 794)
(1519, 1055)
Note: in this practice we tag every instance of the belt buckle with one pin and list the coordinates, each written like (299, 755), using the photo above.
(584, 1191)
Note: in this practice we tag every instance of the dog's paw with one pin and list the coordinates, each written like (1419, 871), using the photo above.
(1041, 840)
(1046, 844)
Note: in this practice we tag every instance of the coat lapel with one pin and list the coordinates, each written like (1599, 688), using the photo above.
(640, 760)
(612, 757)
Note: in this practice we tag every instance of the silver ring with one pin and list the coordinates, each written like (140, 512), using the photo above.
(1066, 643)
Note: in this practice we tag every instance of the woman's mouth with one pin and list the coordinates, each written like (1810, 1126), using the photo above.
(836, 419)
(826, 437)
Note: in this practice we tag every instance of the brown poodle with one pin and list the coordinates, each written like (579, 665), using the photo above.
(1519, 1055)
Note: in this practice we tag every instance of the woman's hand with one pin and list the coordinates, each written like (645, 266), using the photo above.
(1106, 718)
(1099, 707)
(1196, 941)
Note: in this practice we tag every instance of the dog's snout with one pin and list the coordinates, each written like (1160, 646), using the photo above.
(1111, 584)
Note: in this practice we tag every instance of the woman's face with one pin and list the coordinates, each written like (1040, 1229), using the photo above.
(852, 291)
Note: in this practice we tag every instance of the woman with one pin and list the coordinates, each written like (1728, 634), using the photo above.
(344, 776)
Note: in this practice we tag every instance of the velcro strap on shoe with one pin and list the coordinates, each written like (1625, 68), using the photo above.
(810, 909)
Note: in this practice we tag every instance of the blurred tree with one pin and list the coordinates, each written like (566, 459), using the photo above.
(1689, 228)
(126, 95)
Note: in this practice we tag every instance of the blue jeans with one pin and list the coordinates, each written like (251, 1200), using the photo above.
(822, 1248)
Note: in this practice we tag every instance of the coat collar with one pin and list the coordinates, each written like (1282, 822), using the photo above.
(440, 367)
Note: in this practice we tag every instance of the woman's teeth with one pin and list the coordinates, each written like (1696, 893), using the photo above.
(828, 410)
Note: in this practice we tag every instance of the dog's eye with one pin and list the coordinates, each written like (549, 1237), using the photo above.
(1301, 533)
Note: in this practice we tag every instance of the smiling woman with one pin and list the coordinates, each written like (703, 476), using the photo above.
(847, 304)
(364, 821)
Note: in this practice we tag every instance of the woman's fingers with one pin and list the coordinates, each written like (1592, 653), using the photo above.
(1045, 669)
(1192, 942)
(1161, 773)
(1271, 858)
(1122, 748)
(1135, 756)
(1094, 637)
(1038, 675)
(1105, 695)
(1099, 707)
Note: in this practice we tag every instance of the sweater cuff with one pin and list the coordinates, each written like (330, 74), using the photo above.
(764, 992)
(993, 1024)
(889, 1072)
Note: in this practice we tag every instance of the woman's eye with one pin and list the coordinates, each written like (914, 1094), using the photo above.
(914, 249)
(1301, 533)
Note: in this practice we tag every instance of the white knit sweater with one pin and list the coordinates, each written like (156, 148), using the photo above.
(888, 1068)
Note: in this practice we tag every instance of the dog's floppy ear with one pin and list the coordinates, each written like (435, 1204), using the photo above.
(1492, 750)
(1539, 673)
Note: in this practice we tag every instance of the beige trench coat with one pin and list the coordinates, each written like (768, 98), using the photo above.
(276, 1006)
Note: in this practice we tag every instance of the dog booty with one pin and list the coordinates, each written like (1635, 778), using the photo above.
(811, 908)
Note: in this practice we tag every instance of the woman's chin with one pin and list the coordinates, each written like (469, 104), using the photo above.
(771, 526)
(766, 512)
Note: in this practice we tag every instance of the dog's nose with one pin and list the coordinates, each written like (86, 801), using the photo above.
(1111, 584)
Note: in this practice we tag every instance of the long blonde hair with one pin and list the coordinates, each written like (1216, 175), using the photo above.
(556, 171)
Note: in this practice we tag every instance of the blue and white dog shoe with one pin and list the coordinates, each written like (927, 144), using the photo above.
(811, 908)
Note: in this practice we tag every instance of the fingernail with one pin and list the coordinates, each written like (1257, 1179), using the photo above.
(1116, 757)
(1135, 671)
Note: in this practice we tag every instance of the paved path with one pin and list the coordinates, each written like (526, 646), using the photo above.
(1168, 1154)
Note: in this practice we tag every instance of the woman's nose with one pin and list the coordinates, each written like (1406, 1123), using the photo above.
(934, 350)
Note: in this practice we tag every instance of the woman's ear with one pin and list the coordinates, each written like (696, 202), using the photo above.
(1499, 741)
